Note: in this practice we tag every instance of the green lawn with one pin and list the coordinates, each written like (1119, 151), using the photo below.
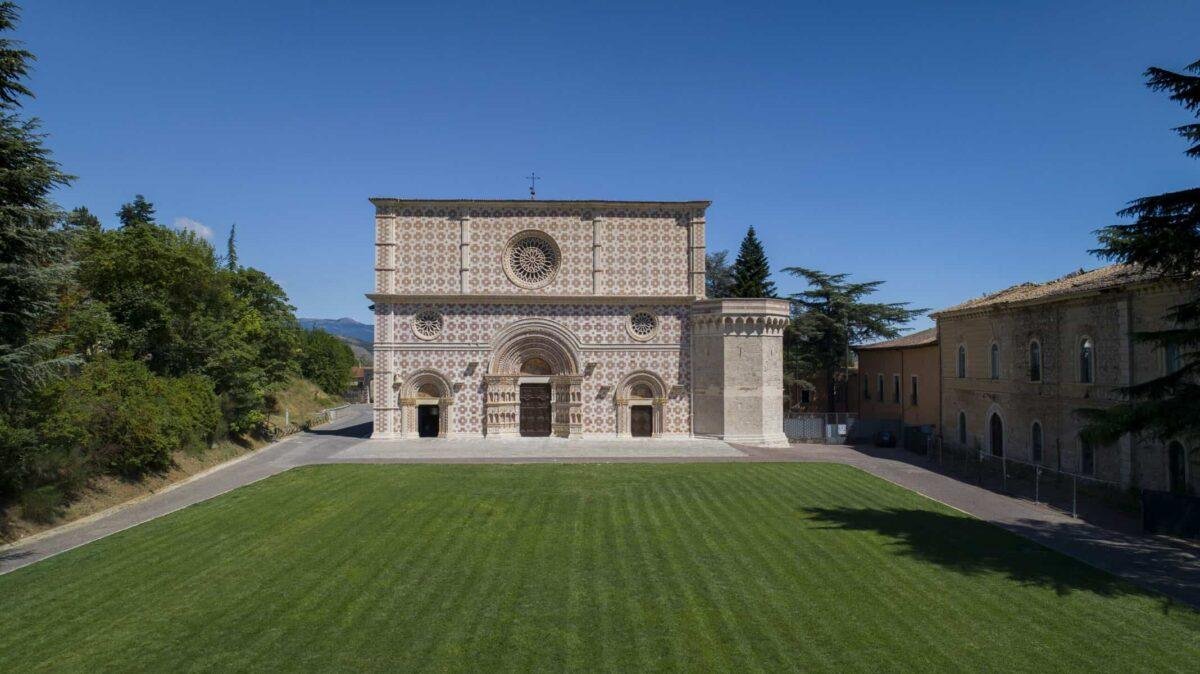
(613, 567)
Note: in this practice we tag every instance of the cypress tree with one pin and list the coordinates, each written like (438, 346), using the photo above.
(1164, 238)
(751, 271)
(231, 261)
(32, 251)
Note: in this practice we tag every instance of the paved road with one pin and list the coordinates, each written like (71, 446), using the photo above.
(297, 450)
(1157, 564)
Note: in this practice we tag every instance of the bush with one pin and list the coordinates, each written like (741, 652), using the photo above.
(128, 420)
(42, 504)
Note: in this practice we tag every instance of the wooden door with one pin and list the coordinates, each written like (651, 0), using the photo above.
(641, 421)
(535, 410)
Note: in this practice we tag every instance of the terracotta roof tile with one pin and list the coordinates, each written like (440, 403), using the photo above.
(922, 338)
(1112, 276)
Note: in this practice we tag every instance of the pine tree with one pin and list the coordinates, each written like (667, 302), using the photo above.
(32, 252)
(1164, 238)
(751, 272)
(137, 212)
(80, 219)
(831, 316)
(231, 260)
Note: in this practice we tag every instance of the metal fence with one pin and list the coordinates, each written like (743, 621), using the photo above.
(820, 427)
(1043, 484)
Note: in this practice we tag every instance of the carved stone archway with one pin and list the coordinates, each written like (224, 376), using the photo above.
(642, 387)
(426, 387)
(555, 351)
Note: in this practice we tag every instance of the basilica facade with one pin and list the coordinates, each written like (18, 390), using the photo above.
(575, 319)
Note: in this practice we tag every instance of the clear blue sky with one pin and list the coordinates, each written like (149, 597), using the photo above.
(949, 149)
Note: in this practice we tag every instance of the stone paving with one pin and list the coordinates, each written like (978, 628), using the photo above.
(534, 449)
(1160, 564)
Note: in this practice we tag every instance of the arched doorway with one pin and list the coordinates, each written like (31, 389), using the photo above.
(533, 383)
(996, 435)
(1177, 468)
(426, 399)
(639, 399)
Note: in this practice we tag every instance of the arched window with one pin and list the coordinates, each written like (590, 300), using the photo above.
(962, 428)
(1035, 442)
(1172, 360)
(962, 361)
(996, 435)
(1035, 361)
(879, 387)
(1087, 361)
(1177, 467)
(995, 360)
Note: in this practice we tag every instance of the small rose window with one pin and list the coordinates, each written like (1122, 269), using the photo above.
(643, 325)
(427, 324)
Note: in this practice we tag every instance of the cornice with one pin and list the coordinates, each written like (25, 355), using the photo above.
(587, 208)
(392, 298)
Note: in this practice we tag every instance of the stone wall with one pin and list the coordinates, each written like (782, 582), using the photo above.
(461, 353)
(738, 369)
(1109, 319)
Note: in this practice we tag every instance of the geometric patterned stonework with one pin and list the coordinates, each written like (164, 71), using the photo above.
(474, 298)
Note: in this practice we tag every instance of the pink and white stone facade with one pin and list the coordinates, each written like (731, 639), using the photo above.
(474, 298)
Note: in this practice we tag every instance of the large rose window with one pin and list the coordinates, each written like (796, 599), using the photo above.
(531, 259)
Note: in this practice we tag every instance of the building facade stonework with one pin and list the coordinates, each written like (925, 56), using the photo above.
(1017, 365)
(573, 319)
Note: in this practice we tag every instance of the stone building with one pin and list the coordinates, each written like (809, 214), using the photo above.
(1017, 364)
(574, 319)
(900, 383)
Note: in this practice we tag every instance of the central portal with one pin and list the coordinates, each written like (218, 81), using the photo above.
(535, 410)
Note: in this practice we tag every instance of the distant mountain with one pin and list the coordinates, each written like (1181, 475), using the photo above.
(342, 327)
(360, 336)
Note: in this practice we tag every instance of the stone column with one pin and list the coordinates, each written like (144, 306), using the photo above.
(464, 253)
(501, 406)
(696, 251)
(598, 257)
(567, 405)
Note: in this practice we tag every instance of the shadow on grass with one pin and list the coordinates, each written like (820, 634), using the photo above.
(974, 547)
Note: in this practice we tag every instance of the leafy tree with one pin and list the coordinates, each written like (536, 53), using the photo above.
(161, 286)
(231, 260)
(1164, 238)
(127, 419)
(326, 361)
(829, 317)
(32, 253)
(718, 275)
(137, 212)
(751, 272)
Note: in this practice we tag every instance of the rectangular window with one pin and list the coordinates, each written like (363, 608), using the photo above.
(913, 392)
(805, 396)
(1087, 458)
(866, 388)
(879, 387)
(896, 389)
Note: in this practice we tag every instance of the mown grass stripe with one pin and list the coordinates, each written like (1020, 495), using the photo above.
(599, 567)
